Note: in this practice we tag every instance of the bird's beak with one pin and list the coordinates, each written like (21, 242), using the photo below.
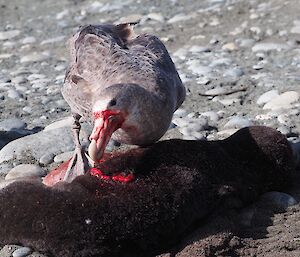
(106, 123)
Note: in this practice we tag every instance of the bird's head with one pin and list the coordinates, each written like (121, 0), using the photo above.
(111, 109)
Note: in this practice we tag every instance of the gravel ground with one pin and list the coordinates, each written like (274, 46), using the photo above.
(239, 61)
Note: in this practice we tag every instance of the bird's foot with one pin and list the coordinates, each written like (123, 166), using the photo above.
(117, 177)
(78, 165)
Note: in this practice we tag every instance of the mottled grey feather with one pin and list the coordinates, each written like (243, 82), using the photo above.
(104, 55)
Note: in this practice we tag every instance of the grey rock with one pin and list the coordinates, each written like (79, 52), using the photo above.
(266, 97)
(36, 76)
(22, 252)
(5, 168)
(19, 80)
(197, 68)
(266, 47)
(238, 122)
(221, 62)
(12, 124)
(283, 129)
(203, 81)
(27, 109)
(4, 35)
(25, 170)
(283, 101)
(213, 116)
(199, 49)
(181, 122)
(246, 43)
(65, 122)
(279, 199)
(53, 40)
(180, 112)
(234, 72)
(156, 17)
(228, 101)
(63, 157)
(35, 57)
(45, 142)
(46, 159)
(296, 28)
(28, 40)
(181, 17)
(14, 94)
(8, 250)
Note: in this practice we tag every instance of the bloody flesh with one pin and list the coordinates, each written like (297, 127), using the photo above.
(119, 177)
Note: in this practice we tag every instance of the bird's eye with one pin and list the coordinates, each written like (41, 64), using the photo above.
(112, 102)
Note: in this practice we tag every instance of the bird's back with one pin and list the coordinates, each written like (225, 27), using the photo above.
(104, 55)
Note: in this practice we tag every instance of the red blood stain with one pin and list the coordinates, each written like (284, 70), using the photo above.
(99, 174)
(119, 177)
(58, 174)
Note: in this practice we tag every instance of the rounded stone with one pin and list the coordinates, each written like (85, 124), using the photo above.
(283, 101)
(213, 116)
(22, 252)
(238, 122)
(267, 96)
(14, 94)
(28, 40)
(234, 72)
(25, 170)
(47, 159)
(12, 124)
(4, 35)
(8, 250)
(63, 157)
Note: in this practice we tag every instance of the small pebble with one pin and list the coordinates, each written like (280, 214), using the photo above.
(14, 94)
(34, 57)
(22, 252)
(265, 47)
(4, 35)
(283, 101)
(25, 170)
(8, 250)
(63, 157)
(28, 40)
(266, 97)
(238, 123)
(12, 124)
(47, 159)
(234, 72)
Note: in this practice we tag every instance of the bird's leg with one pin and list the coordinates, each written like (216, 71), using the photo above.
(79, 164)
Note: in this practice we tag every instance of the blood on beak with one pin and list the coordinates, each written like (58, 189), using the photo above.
(106, 123)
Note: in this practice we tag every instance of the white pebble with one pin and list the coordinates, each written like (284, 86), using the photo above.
(238, 122)
(22, 252)
(25, 170)
(283, 101)
(28, 40)
(266, 97)
(4, 35)
(34, 57)
(265, 47)
(63, 157)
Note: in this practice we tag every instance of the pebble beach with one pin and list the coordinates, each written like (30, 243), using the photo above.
(239, 61)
